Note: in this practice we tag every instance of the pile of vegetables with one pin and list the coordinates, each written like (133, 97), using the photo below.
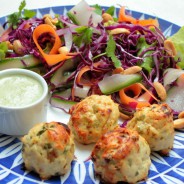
(98, 53)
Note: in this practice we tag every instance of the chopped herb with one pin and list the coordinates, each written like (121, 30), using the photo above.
(22, 6)
(73, 18)
(137, 173)
(84, 37)
(98, 9)
(110, 50)
(147, 57)
(47, 146)
(181, 64)
(41, 132)
(29, 14)
(59, 24)
(111, 10)
(52, 126)
(44, 128)
(14, 18)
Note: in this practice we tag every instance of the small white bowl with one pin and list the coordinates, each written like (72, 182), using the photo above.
(18, 120)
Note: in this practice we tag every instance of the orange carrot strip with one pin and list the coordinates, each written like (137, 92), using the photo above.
(143, 87)
(125, 18)
(122, 17)
(53, 57)
(148, 22)
(79, 78)
(136, 88)
(125, 99)
(82, 71)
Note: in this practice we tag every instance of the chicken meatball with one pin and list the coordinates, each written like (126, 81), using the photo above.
(121, 155)
(48, 149)
(92, 117)
(155, 124)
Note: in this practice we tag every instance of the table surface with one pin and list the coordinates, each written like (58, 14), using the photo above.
(172, 11)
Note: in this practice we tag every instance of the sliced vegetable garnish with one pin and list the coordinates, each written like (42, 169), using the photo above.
(61, 103)
(127, 18)
(83, 70)
(175, 98)
(28, 61)
(86, 14)
(116, 82)
(132, 101)
(62, 100)
(53, 57)
(171, 75)
(61, 75)
(81, 92)
(148, 22)
(130, 96)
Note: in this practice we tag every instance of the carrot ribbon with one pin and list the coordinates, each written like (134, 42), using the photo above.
(127, 18)
(53, 57)
(84, 70)
(136, 89)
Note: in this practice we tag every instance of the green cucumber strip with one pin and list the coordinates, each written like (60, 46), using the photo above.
(28, 61)
(116, 82)
(61, 103)
(58, 99)
(64, 93)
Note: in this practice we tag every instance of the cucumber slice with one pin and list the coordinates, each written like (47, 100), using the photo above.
(114, 83)
(175, 98)
(62, 74)
(61, 103)
(28, 61)
(59, 100)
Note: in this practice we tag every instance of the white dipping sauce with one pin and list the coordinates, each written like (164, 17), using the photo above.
(19, 90)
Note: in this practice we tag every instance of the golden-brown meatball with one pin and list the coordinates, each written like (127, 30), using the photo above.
(121, 155)
(48, 149)
(155, 124)
(92, 117)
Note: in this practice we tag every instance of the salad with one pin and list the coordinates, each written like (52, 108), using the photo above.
(99, 53)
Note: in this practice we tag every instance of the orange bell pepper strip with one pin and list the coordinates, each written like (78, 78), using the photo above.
(53, 57)
(136, 89)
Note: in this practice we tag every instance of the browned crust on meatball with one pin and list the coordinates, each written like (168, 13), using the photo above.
(123, 140)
